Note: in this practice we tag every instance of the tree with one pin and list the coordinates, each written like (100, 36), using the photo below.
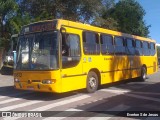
(11, 21)
(39, 9)
(7, 8)
(102, 19)
(15, 23)
(129, 15)
(75, 10)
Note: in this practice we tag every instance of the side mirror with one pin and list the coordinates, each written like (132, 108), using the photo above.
(14, 58)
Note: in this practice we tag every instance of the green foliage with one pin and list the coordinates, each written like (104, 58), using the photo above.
(108, 23)
(17, 22)
(129, 15)
(76, 10)
(7, 9)
(125, 16)
(4, 43)
(103, 19)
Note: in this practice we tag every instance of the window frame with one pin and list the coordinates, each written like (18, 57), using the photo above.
(97, 41)
(146, 48)
(123, 45)
(122, 39)
(131, 47)
(71, 57)
(101, 43)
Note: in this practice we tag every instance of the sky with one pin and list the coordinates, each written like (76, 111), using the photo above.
(152, 17)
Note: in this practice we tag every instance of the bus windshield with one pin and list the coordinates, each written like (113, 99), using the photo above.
(37, 51)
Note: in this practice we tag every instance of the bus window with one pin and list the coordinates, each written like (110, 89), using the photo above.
(130, 46)
(138, 47)
(37, 51)
(152, 45)
(107, 46)
(146, 51)
(71, 49)
(119, 46)
(91, 43)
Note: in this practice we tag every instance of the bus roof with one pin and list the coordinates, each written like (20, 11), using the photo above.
(100, 30)
(79, 25)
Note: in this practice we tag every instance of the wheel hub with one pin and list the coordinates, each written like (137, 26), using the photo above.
(92, 82)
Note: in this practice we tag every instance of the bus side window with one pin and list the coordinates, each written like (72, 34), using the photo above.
(146, 51)
(130, 46)
(71, 49)
(107, 46)
(91, 43)
(119, 46)
(138, 48)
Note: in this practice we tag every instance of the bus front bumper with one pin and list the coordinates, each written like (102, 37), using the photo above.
(35, 87)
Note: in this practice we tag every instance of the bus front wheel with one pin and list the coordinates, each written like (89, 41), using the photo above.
(92, 82)
(143, 74)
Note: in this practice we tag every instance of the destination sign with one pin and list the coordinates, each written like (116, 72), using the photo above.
(39, 27)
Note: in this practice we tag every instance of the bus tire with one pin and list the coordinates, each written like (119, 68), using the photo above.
(92, 82)
(143, 74)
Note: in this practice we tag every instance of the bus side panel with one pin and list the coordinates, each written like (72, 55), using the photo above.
(108, 69)
(136, 63)
(123, 67)
(73, 83)
(115, 68)
(151, 63)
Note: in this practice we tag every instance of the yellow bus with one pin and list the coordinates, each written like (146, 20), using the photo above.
(60, 56)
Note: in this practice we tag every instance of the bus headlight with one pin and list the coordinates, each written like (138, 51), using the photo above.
(16, 80)
(48, 81)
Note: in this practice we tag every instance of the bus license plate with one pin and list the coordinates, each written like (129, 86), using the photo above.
(30, 88)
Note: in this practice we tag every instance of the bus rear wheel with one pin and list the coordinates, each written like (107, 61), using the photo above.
(143, 74)
(92, 82)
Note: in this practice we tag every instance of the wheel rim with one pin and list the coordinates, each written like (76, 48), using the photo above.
(92, 82)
